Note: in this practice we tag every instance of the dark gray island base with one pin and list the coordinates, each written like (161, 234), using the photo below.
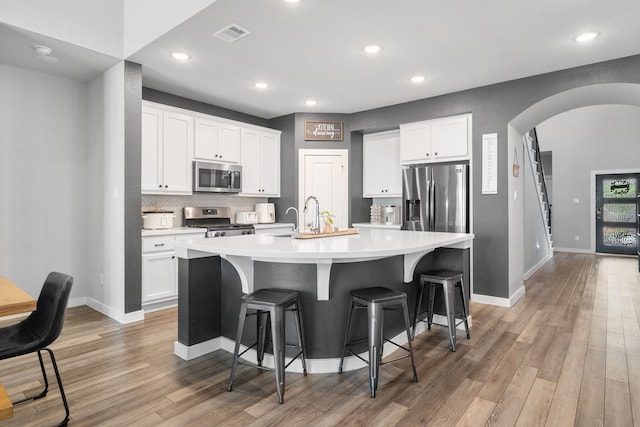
(210, 290)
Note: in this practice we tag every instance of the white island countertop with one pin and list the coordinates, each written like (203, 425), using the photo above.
(369, 244)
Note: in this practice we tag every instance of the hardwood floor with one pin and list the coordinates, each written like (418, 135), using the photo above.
(568, 353)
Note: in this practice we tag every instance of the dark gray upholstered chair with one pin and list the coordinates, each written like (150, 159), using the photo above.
(39, 330)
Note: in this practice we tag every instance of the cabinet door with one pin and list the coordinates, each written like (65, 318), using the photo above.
(374, 167)
(393, 170)
(415, 143)
(176, 152)
(251, 162)
(205, 139)
(449, 137)
(270, 164)
(159, 276)
(151, 148)
(228, 143)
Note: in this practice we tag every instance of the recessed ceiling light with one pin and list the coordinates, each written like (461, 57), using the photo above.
(417, 79)
(261, 85)
(310, 102)
(372, 48)
(180, 56)
(585, 37)
(292, 1)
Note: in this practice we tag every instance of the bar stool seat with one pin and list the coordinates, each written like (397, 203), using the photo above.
(447, 280)
(376, 300)
(271, 304)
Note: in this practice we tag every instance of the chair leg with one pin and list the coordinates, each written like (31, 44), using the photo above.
(300, 337)
(234, 363)
(417, 311)
(375, 315)
(405, 311)
(64, 397)
(261, 332)
(44, 392)
(449, 303)
(432, 297)
(465, 313)
(346, 336)
(277, 333)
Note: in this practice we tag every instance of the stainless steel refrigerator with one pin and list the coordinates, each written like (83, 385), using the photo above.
(436, 198)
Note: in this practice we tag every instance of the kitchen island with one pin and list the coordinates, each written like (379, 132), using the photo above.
(213, 274)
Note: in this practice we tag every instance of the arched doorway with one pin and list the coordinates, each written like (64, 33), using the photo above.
(614, 93)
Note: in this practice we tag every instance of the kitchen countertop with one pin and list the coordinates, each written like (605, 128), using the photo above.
(175, 230)
(369, 244)
(376, 225)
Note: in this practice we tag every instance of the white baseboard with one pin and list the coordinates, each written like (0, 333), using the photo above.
(574, 250)
(116, 315)
(500, 302)
(538, 266)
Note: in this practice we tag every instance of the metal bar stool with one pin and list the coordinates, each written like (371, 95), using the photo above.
(271, 304)
(447, 280)
(376, 300)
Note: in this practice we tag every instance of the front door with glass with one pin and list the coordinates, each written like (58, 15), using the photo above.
(616, 216)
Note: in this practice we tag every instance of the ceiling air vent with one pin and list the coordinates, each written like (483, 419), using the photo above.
(231, 33)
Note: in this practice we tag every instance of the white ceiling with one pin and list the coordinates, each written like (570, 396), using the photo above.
(313, 49)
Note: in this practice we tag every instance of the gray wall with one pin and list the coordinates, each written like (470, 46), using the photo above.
(153, 95)
(132, 179)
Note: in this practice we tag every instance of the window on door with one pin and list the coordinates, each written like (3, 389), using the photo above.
(616, 213)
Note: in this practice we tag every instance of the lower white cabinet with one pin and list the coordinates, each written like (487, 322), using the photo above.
(160, 267)
(159, 276)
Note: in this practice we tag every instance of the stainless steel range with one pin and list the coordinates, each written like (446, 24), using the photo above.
(217, 221)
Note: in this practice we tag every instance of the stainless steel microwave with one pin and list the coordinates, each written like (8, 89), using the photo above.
(216, 177)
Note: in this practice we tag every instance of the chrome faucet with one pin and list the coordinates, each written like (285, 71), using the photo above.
(295, 230)
(315, 225)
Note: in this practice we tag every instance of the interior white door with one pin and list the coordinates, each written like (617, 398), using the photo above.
(325, 175)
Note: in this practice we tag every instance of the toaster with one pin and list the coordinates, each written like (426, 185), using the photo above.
(247, 217)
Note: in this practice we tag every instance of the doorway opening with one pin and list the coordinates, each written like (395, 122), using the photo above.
(616, 225)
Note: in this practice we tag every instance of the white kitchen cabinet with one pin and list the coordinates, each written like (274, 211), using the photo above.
(260, 153)
(159, 276)
(439, 140)
(382, 176)
(216, 141)
(159, 269)
(167, 141)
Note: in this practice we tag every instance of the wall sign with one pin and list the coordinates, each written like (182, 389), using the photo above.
(323, 130)
(490, 163)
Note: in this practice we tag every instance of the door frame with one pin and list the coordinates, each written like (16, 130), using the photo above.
(344, 152)
(592, 196)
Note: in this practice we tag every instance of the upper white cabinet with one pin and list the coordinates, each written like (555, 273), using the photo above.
(172, 138)
(260, 152)
(439, 140)
(382, 176)
(216, 141)
(167, 141)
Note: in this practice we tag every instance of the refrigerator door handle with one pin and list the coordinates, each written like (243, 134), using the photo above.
(432, 205)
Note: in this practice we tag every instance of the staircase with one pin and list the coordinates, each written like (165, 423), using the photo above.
(535, 161)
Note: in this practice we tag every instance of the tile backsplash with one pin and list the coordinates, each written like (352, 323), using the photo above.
(176, 203)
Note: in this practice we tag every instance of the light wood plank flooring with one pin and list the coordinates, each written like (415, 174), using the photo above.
(568, 353)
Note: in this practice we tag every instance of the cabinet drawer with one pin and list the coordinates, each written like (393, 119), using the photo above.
(157, 243)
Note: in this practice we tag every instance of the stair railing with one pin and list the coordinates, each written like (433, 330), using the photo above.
(535, 146)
